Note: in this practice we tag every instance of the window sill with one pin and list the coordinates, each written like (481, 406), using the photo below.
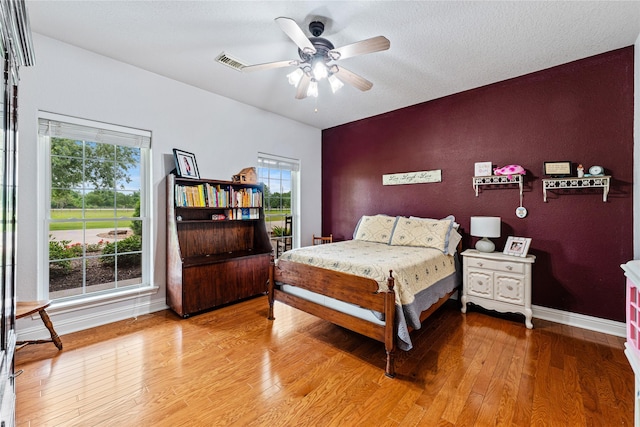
(61, 307)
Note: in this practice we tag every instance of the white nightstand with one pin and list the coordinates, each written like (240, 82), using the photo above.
(498, 282)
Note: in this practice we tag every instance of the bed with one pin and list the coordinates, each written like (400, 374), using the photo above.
(382, 284)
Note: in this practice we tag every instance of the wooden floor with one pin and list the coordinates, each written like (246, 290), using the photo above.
(232, 366)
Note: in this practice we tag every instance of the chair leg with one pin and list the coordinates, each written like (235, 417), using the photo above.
(55, 339)
(47, 322)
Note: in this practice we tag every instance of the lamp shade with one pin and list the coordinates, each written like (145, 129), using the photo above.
(485, 226)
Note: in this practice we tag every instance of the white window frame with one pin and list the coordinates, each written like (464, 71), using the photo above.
(286, 163)
(143, 140)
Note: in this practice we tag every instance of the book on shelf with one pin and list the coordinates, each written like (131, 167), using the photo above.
(190, 196)
(243, 213)
(217, 196)
(246, 198)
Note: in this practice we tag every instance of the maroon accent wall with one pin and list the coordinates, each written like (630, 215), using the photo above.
(581, 111)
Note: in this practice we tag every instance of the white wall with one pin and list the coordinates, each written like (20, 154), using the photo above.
(224, 135)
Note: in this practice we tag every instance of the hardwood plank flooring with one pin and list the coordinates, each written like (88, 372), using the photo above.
(233, 367)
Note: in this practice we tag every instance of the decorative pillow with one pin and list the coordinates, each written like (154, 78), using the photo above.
(428, 233)
(377, 228)
(453, 237)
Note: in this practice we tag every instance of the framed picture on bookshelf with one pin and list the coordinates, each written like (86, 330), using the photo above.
(186, 166)
(517, 246)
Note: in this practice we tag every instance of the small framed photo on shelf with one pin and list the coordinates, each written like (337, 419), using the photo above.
(517, 246)
(483, 169)
(186, 166)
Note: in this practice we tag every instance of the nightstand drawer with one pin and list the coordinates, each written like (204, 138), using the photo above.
(508, 266)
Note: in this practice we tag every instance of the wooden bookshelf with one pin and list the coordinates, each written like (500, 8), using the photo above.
(218, 248)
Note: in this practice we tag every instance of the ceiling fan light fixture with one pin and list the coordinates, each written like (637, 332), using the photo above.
(312, 90)
(295, 76)
(308, 51)
(316, 54)
(320, 69)
(335, 83)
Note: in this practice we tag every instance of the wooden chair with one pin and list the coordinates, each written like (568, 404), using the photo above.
(27, 308)
(287, 242)
(321, 240)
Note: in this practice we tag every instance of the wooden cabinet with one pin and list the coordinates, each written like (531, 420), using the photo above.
(498, 282)
(212, 262)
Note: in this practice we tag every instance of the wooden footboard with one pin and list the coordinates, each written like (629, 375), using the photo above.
(344, 287)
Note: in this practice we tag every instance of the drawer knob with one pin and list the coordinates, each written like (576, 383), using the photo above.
(480, 264)
(509, 267)
(510, 288)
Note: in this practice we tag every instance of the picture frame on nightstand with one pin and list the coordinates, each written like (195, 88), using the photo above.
(517, 246)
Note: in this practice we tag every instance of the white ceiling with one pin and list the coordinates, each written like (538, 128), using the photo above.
(437, 48)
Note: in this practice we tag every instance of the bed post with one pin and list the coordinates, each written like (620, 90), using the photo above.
(270, 288)
(390, 327)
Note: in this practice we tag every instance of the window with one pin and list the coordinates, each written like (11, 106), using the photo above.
(280, 177)
(96, 236)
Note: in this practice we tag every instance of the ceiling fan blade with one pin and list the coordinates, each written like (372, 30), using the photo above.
(353, 79)
(270, 65)
(374, 44)
(301, 93)
(296, 34)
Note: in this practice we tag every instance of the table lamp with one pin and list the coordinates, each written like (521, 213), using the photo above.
(485, 227)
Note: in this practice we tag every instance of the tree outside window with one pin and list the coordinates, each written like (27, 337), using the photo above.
(95, 229)
(279, 178)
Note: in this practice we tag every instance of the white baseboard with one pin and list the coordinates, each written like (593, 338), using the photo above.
(597, 324)
(618, 329)
(85, 319)
(94, 318)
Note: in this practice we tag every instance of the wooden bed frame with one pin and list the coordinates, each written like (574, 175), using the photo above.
(348, 288)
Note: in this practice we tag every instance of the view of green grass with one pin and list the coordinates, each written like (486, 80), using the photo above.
(88, 214)
(275, 214)
(272, 215)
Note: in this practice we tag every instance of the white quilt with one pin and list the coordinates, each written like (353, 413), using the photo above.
(414, 268)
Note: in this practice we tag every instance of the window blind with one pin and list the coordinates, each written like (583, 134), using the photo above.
(58, 126)
(275, 162)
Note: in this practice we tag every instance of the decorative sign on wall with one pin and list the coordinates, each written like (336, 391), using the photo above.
(412, 177)
(483, 169)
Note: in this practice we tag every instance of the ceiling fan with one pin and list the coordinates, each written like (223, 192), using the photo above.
(317, 59)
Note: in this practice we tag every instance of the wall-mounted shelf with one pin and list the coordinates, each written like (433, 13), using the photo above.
(479, 181)
(577, 183)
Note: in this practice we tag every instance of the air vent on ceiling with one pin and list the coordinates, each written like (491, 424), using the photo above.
(225, 59)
